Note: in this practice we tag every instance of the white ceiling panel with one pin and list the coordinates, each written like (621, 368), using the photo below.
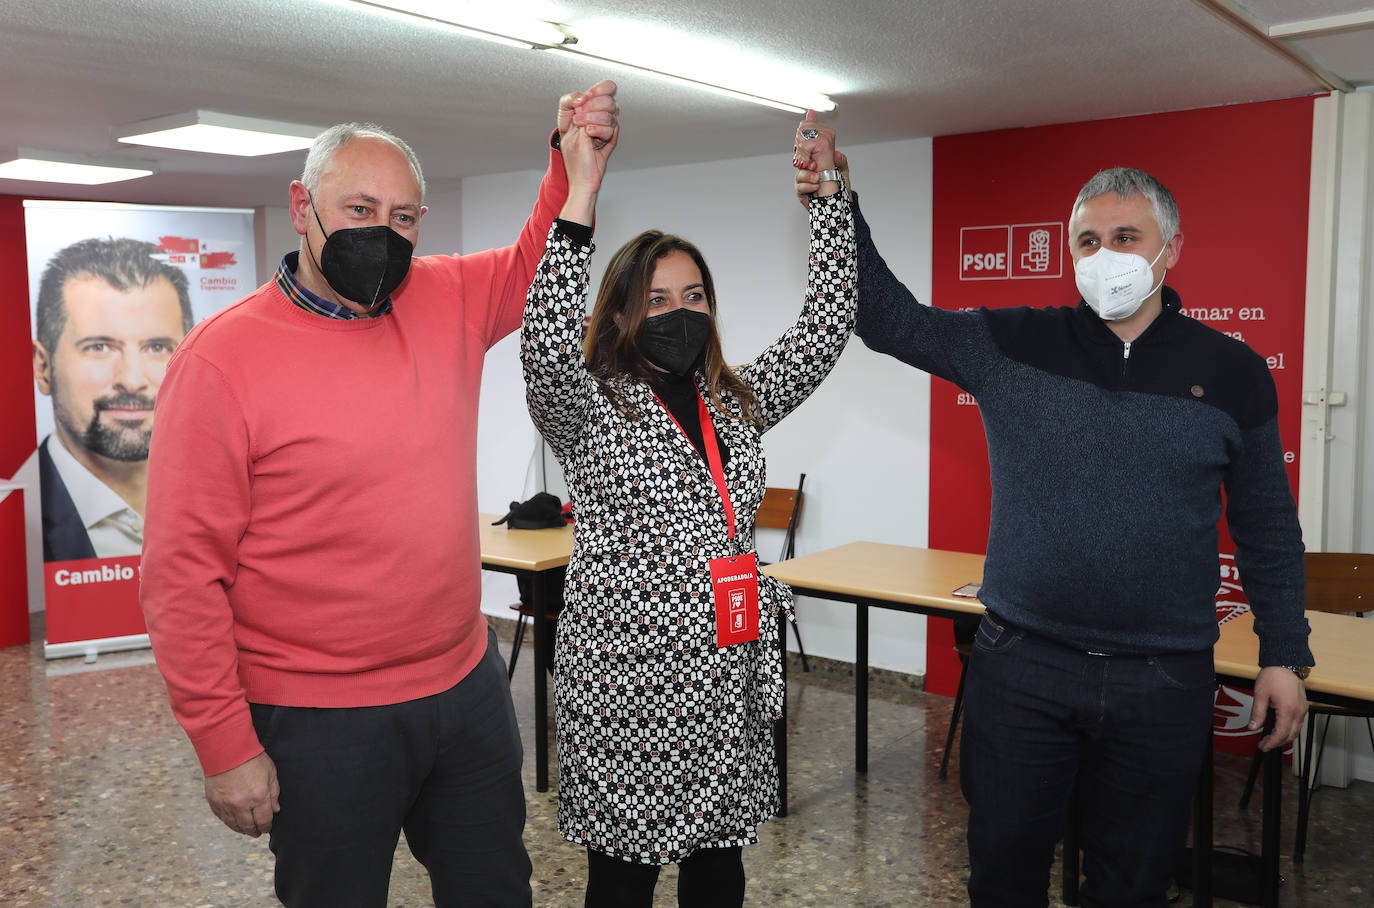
(73, 71)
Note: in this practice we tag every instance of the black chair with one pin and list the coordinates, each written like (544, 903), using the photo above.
(780, 510)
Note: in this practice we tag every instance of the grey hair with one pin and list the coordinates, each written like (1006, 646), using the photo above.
(336, 137)
(1125, 181)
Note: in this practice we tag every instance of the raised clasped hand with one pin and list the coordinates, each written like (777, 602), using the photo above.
(595, 110)
(813, 150)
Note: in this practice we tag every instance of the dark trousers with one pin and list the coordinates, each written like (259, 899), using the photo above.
(444, 768)
(1129, 731)
(706, 878)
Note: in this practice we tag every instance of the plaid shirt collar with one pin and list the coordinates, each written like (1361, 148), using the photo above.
(295, 291)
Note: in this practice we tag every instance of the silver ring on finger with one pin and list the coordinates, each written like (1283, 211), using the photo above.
(810, 133)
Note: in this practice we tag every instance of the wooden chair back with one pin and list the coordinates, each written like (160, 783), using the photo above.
(1339, 582)
(780, 510)
(775, 513)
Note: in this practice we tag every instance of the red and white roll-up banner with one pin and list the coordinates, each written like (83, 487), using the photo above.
(1001, 207)
(113, 289)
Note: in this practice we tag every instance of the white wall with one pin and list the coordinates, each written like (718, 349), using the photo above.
(275, 237)
(441, 229)
(1336, 494)
(861, 440)
(1361, 400)
(1363, 403)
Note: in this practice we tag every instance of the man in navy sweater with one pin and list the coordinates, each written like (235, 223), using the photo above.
(1112, 428)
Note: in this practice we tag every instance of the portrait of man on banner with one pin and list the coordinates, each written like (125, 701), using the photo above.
(113, 291)
(108, 316)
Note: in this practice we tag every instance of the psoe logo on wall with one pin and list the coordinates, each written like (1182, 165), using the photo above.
(1010, 251)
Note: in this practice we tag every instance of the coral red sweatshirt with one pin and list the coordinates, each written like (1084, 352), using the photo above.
(311, 534)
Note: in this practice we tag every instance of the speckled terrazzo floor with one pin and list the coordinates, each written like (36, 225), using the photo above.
(103, 805)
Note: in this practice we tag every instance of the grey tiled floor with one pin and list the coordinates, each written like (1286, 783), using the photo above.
(103, 806)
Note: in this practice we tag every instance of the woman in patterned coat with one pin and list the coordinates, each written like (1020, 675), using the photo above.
(665, 747)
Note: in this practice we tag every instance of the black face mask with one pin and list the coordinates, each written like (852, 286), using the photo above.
(675, 341)
(363, 264)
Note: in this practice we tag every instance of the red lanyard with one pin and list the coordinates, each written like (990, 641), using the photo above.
(708, 436)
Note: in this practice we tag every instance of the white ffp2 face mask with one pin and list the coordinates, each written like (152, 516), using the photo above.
(1116, 283)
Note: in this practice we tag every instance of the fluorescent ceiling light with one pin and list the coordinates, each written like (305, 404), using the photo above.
(59, 167)
(218, 133)
(690, 83)
(710, 65)
(643, 49)
(473, 20)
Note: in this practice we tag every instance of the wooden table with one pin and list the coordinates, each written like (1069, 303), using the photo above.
(533, 553)
(921, 581)
(1343, 645)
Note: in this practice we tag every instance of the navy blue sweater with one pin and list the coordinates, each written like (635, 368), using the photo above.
(1107, 463)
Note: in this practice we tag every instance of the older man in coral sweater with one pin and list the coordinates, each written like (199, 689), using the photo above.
(311, 565)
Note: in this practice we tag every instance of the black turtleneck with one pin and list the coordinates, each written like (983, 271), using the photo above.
(679, 395)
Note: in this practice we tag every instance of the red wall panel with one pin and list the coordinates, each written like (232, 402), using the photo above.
(16, 353)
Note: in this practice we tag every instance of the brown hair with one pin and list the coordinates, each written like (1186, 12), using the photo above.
(610, 345)
(123, 263)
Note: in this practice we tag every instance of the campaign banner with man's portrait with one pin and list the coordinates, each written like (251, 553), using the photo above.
(113, 289)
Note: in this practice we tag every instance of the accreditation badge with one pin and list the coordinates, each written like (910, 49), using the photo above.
(735, 583)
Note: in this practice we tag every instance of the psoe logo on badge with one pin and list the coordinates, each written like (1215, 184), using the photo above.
(1037, 250)
(737, 610)
(984, 253)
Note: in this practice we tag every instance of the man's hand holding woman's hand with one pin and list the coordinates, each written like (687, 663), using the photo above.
(588, 128)
(594, 110)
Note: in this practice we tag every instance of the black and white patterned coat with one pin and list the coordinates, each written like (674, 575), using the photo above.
(664, 740)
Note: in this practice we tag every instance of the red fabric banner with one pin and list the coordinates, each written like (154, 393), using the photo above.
(99, 599)
(14, 581)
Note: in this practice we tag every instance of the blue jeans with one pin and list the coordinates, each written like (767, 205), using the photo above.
(444, 768)
(1129, 731)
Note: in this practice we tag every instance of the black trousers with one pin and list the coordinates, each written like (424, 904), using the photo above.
(445, 769)
(706, 878)
(1040, 718)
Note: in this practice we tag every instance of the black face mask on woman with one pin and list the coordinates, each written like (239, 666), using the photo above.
(674, 341)
(363, 264)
